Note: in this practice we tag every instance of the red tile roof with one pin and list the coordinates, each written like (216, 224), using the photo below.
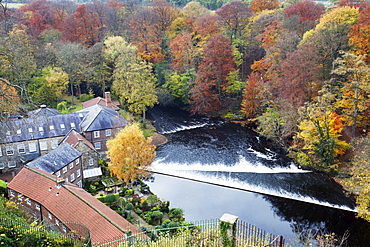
(100, 101)
(70, 203)
(73, 137)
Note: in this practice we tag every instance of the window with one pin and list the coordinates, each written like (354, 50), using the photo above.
(30, 129)
(37, 206)
(73, 125)
(97, 145)
(96, 134)
(91, 162)
(12, 164)
(108, 132)
(12, 193)
(50, 216)
(57, 174)
(78, 173)
(9, 150)
(56, 222)
(28, 201)
(71, 165)
(66, 179)
(32, 147)
(64, 228)
(79, 184)
(8, 133)
(62, 126)
(1, 152)
(81, 115)
(72, 177)
(19, 132)
(77, 161)
(2, 166)
(20, 197)
(21, 149)
(54, 144)
(64, 169)
(43, 146)
(51, 127)
(41, 129)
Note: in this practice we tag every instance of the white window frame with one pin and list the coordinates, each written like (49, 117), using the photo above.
(32, 147)
(108, 132)
(54, 144)
(30, 130)
(91, 161)
(77, 161)
(21, 148)
(1, 152)
(78, 172)
(79, 184)
(12, 164)
(51, 127)
(96, 134)
(56, 222)
(43, 146)
(97, 145)
(20, 197)
(62, 126)
(19, 132)
(29, 202)
(65, 169)
(2, 166)
(12, 193)
(50, 216)
(71, 165)
(37, 205)
(64, 228)
(72, 176)
(66, 179)
(57, 174)
(41, 129)
(73, 125)
(9, 150)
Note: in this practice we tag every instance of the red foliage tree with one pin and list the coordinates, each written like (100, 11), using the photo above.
(360, 34)
(209, 91)
(235, 16)
(206, 26)
(251, 100)
(306, 13)
(361, 4)
(185, 54)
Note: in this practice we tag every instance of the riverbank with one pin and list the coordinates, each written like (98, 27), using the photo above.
(158, 139)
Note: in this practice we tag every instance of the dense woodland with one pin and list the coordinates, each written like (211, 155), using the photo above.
(295, 71)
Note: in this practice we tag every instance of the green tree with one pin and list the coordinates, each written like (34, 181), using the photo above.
(152, 199)
(48, 87)
(176, 214)
(110, 199)
(130, 154)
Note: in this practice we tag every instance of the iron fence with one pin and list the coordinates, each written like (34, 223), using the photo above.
(201, 233)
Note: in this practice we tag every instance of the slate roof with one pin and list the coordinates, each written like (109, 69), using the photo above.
(43, 111)
(39, 128)
(56, 159)
(70, 203)
(98, 117)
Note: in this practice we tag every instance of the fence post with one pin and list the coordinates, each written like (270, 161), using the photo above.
(228, 229)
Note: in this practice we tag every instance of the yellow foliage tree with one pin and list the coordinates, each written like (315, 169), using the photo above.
(9, 98)
(130, 154)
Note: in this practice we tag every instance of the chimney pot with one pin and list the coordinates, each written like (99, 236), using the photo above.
(108, 100)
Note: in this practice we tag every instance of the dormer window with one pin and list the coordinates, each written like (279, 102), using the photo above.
(8, 133)
(9, 150)
(19, 132)
(62, 126)
(81, 115)
(21, 149)
(41, 129)
(32, 147)
(30, 130)
(73, 125)
(51, 127)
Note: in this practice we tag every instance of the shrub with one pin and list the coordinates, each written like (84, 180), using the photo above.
(129, 192)
(110, 199)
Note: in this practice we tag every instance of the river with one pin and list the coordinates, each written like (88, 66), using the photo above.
(210, 167)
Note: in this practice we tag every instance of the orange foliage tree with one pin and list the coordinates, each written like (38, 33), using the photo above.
(260, 5)
(360, 34)
(210, 86)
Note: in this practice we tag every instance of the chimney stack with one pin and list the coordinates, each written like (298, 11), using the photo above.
(108, 100)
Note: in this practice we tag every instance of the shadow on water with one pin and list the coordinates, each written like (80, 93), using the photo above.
(211, 150)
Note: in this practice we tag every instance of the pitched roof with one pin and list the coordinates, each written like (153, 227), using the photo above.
(70, 203)
(56, 159)
(100, 101)
(98, 117)
(43, 111)
(73, 138)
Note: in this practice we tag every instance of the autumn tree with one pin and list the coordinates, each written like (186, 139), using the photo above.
(133, 79)
(235, 16)
(353, 75)
(130, 154)
(260, 5)
(208, 94)
(360, 34)
(9, 99)
(48, 88)
(251, 100)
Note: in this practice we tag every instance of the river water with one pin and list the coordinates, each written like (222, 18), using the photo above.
(210, 167)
